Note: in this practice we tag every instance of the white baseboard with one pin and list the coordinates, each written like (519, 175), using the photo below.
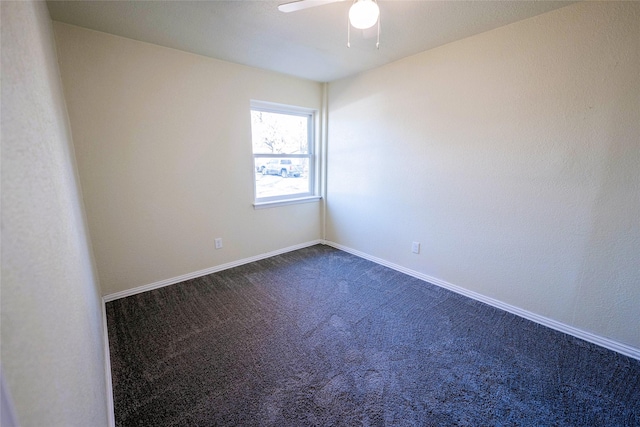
(200, 273)
(7, 407)
(545, 321)
(111, 420)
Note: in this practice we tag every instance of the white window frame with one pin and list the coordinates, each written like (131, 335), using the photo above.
(287, 199)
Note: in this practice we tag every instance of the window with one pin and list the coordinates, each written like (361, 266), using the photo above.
(283, 153)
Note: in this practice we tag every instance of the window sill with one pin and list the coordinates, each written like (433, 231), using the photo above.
(275, 203)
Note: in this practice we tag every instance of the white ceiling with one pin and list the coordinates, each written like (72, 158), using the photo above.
(311, 43)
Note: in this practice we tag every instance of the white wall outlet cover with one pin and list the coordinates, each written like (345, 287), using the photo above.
(218, 243)
(415, 247)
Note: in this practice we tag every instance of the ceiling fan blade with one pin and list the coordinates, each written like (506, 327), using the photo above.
(303, 4)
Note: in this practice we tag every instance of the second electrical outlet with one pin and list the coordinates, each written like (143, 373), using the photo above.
(218, 242)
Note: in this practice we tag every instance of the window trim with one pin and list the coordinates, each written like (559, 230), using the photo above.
(292, 201)
(312, 125)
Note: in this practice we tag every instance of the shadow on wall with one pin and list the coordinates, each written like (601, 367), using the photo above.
(609, 281)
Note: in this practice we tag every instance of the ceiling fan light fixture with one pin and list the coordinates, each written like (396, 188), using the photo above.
(364, 14)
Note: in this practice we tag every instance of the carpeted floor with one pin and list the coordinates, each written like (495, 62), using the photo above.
(319, 337)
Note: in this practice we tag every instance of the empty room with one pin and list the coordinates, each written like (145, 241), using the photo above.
(320, 213)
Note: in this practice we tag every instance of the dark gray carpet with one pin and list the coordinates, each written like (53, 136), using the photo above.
(319, 337)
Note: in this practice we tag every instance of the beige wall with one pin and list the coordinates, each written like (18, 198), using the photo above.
(52, 344)
(513, 157)
(163, 145)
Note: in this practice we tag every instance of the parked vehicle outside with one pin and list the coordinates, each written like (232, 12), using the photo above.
(283, 167)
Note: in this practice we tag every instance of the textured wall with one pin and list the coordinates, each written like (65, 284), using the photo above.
(52, 348)
(512, 156)
(163, 145)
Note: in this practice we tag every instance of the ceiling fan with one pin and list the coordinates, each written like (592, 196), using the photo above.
(363, 14)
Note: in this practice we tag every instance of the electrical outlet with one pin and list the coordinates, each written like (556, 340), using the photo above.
(415, 247)
(218, 242)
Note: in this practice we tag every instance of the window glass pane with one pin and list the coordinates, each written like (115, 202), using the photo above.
(275, 133)
(277, 176)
